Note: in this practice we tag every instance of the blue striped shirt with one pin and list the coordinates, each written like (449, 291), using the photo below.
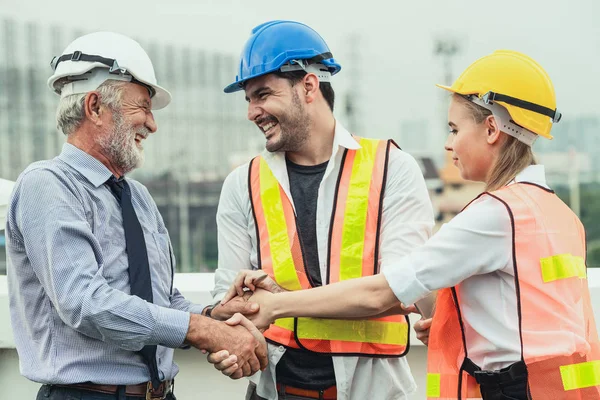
(72, 314)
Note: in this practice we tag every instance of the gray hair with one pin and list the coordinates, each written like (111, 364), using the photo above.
(70, 112)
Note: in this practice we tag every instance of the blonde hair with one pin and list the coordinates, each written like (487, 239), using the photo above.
(514, 156)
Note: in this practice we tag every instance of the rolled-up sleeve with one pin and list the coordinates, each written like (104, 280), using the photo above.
(64, 254)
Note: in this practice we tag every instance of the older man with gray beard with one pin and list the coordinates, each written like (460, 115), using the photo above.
(90, 268)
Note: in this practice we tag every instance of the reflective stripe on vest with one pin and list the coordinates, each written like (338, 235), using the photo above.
(558, 334)
(352, 248)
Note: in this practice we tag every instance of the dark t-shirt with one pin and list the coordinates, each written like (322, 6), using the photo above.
(298, 367)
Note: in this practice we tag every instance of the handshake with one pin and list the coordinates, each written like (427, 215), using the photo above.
(236, 346)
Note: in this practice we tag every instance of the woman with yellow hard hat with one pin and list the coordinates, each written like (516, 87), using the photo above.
(513, 318)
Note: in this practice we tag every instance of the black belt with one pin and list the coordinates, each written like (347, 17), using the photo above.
(512, 373)
(143, 390)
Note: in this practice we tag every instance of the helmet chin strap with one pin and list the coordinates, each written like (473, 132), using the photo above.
(506, 124)
(320, 70)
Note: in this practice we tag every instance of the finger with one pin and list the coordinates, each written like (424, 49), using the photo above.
(245, 322)
(253, 364)
(251, 308)
(263, 281)
(247, 369)
(239, 282)
(235, 289)
(423, 324)
(231, 293)
(227, 363)
(218, 357)
(249, 282)
(262, 353)
(422, 335)
(231, 370)
(235, 319)
(239, 373)
(410, 309)
(254, 278)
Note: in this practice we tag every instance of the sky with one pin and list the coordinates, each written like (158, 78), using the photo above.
(394, 69)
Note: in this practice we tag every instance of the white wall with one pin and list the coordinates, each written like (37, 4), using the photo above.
(197, 379)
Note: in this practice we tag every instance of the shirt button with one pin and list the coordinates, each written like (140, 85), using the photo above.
(281, 349)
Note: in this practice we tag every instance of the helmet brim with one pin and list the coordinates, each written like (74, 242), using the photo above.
(161, 98)
(448, 88)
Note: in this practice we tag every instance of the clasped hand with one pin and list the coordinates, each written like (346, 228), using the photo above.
(251, 295)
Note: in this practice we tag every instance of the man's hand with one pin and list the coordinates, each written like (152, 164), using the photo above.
(422, 328)
(243, 343)
(227, 363)
(239, 304)
(251, 280)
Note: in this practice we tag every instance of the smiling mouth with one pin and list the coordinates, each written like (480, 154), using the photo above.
(267, 128)
(138, 140)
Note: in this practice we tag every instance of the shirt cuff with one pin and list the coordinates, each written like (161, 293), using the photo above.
(171, 327)
(196, 308)
(404, 283)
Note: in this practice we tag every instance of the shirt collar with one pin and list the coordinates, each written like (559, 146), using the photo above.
(88, 166)
(343, 138)
(533, 174)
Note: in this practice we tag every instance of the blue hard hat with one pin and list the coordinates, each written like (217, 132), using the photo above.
(276, 43)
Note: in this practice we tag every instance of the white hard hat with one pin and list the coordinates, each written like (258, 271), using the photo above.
(92, 59)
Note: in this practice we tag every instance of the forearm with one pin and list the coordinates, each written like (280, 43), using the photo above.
(87, 303)
(203, 333)
(363, 297)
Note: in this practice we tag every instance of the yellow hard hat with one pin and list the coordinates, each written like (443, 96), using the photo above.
(516, 82)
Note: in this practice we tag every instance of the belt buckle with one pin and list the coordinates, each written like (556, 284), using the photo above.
(150, 392)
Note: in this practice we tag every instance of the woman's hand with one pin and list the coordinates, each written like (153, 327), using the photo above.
(264, 317)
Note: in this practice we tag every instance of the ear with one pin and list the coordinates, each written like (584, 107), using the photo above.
(310, 84)
(492, 129)
(92, 108)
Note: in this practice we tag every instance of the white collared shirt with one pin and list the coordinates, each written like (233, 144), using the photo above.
(475, 250)
(407, 223)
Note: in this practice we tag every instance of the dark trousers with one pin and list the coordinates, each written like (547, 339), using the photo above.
(251, 394)
(50, 392)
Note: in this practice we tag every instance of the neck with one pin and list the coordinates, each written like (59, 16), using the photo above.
(85, 140)
(319, 146)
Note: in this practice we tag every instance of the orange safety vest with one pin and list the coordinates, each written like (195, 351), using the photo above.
(353, 253)
(559, 342)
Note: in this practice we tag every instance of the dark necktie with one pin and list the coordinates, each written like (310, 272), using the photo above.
(137, 256)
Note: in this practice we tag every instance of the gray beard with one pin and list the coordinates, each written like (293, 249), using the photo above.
(120, 146)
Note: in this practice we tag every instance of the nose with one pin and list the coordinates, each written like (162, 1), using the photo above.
(253, 111)
(151, 123)
(448, 144)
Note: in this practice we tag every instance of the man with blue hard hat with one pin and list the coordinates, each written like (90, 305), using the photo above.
(318, 206)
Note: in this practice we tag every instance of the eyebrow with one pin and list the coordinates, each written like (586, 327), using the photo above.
(257, 91)
(452, 124)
